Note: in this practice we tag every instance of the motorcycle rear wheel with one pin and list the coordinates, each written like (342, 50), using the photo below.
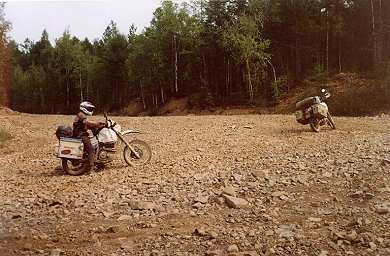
(143, 150)
(315, 126)
(74, 170)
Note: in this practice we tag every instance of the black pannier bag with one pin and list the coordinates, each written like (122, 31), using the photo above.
(64, 132)
(308, 102)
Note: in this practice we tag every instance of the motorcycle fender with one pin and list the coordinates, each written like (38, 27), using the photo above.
(129, 132)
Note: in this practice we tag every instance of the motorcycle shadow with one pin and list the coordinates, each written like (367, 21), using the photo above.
(61, 173)
(58, 171)
(296, 131)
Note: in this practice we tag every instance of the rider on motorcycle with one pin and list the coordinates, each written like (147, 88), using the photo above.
(81, 127)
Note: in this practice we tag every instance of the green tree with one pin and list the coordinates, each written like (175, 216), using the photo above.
(242, 38)
(5, 61)
(69, 67)
(164, 60)
(41, 56)
(214, 52)
(113, 52)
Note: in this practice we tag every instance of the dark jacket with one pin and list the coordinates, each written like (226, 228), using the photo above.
(81, 125)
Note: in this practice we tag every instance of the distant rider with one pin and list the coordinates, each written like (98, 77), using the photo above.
(81, 127)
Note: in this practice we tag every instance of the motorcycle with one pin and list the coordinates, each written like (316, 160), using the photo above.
(106, 142)
(315, 111)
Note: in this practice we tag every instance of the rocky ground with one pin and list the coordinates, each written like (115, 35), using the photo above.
(216, 185)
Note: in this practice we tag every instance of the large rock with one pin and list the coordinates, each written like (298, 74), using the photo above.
(248, 253)
(314, 219)
(235, 202)
(323, 253)
(352, 237)
(140, 205)
(56, 252)
(232, 248)
(198, 205)
(200, 232)
(214, 253)
(260, 174)
(285, 231)
(229, 190)
(383, 208)
(116, 229)
(201, 199)
(124, 217)
(127, 245)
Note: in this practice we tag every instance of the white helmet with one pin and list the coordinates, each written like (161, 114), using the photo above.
(87, 108)
(325, 94)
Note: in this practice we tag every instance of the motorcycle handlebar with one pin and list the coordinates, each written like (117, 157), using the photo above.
(108, 121)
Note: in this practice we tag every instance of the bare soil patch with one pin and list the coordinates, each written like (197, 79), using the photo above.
(306, 193)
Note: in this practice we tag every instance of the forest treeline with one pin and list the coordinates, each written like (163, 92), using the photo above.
(224, 52)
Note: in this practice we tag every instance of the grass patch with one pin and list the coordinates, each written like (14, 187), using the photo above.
(4, 137)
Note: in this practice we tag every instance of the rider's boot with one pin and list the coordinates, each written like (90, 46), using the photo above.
(90, 153)
(90, 161)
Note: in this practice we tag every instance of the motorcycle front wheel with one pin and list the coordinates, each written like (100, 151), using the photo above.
(315, 126)
(143, 151)
(74, 168)
(331, 122)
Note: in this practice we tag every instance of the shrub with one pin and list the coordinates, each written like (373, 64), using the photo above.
(365, 100)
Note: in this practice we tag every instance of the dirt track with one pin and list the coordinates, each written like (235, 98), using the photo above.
(309, 194)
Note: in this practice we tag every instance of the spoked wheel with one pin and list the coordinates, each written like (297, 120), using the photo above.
(142, 156)
(315, 126)
(74, 168)
(331, 122)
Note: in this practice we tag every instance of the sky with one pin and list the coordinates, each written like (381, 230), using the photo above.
(83, 18)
